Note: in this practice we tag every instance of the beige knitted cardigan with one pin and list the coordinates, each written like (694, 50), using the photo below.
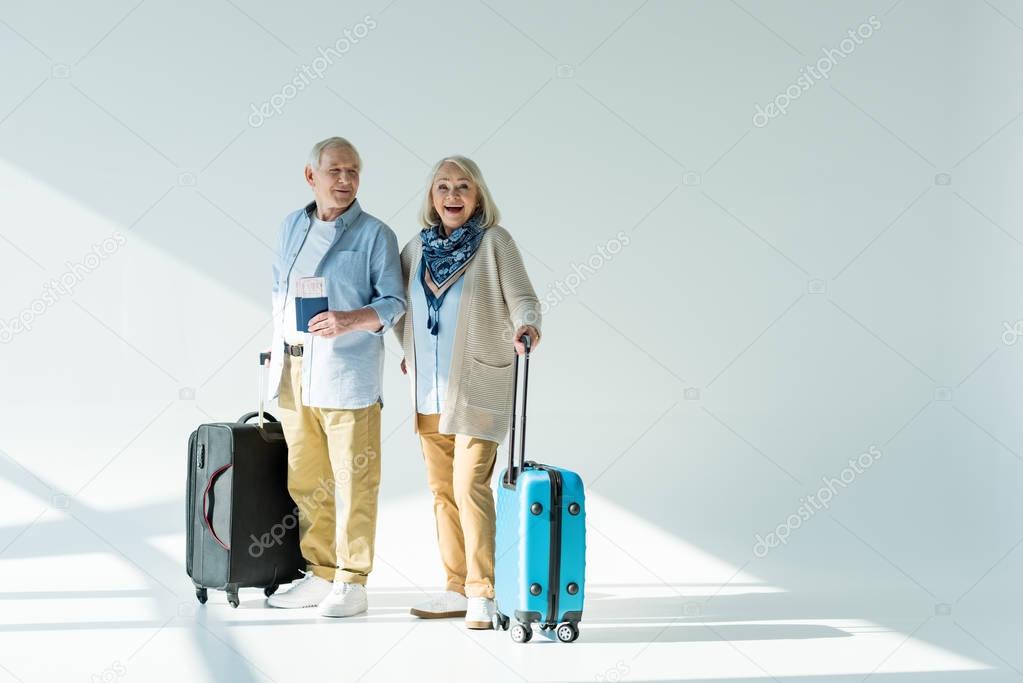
(496, 299)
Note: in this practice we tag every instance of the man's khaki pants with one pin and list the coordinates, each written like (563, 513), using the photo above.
(458, 470)
(332, 450)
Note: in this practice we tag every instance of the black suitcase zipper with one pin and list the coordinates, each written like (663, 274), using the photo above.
(554, 577)
(190, 509)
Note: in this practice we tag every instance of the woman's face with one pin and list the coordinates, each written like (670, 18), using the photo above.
(454, 196)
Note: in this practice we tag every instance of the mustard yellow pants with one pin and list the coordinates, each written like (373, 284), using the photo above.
(334, 478)
(458, 471)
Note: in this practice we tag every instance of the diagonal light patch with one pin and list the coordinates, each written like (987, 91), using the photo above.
(671, 552)
(29, 193)
(687, 575)
(983, 645)
(87, 517)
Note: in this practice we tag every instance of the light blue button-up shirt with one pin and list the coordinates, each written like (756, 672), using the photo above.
(361, 268)
(433, 353)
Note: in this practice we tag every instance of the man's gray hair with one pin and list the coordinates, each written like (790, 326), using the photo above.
(317, 151)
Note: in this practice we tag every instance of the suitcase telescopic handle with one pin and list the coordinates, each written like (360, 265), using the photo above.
(518, 421)
(264, 371)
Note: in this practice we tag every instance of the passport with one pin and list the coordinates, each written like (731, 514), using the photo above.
(307, 308)
(310, 302)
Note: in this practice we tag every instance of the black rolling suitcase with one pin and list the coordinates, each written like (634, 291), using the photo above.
(242, 525)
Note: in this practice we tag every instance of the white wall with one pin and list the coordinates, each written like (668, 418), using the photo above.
(791, 294)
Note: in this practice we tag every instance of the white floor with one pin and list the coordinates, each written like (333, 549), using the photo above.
(109, 605)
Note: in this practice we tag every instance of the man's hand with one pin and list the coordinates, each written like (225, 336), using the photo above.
(336, 323)
(534, 339)
(331, 323)
(404, 367)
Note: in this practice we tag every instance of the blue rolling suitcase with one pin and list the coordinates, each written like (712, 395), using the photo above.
(541, 539)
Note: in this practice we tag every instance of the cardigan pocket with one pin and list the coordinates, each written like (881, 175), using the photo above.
(489, 386)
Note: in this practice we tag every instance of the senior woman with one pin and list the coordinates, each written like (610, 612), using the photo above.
(470, 301)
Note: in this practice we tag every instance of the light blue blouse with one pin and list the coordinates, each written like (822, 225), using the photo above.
(433, 353)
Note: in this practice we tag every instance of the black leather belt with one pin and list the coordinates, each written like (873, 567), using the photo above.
(295, 350)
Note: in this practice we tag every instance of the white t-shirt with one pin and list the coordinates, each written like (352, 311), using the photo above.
(317, 242)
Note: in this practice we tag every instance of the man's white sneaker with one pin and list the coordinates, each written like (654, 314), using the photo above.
(479, 613)
(445, 606)
(345, 600)
(306, 592)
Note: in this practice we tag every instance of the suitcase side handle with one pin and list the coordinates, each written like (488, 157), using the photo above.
(207, 506)
(512, 471)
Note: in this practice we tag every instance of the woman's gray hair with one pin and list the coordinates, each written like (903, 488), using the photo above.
(428, 215)
(316, 153)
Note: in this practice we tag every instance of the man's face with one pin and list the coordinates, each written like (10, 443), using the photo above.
(336, 181)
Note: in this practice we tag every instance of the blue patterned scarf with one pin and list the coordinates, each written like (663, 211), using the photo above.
(446, 259)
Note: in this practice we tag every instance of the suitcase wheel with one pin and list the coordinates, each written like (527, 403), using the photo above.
(232, 596)
(270, 590)
(567, 632)
(500, 622)
(521, 633)
(200, 595)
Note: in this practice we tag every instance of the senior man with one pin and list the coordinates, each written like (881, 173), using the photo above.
(328, 380)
